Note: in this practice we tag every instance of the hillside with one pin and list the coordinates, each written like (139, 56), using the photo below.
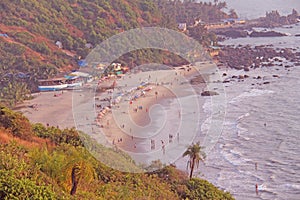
(31, 33)
(38, 162)
(40, 39)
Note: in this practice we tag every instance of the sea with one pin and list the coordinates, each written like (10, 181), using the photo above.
(260, 139)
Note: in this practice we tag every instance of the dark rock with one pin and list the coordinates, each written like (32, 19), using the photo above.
(266, 34)
(234, 76)
(226, 81)
(209, 93)
(297, 35)
(233, 33)
(246, 76)
(238, 67)
(275, 76)
(224, 74)
(246, 69)
(267, 82)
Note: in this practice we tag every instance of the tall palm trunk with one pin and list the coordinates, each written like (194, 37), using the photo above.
(74, 181)
(192, 168)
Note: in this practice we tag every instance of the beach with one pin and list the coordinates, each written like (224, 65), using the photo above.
(147, 120)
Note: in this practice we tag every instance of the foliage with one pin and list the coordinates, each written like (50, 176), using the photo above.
(15, 123)
(202, 189)
(195, 154)
(33, 28)
(188, 11)
(20, 180)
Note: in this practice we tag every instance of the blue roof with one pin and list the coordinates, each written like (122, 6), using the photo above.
(82, 63)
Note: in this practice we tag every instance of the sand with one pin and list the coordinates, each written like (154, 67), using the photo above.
(122, 126)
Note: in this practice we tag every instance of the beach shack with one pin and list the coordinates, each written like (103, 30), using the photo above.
(54, 84)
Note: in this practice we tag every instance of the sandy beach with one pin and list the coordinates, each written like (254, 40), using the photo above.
(150, 123)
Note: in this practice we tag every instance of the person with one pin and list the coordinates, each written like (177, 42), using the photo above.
(256, 189)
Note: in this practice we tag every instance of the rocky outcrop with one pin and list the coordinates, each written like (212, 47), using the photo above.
(247, 57)
(266, 34)
(232, 33)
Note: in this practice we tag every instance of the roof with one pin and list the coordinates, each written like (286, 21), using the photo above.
(81, 74)
(53, 79)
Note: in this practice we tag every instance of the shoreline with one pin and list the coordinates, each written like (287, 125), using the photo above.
(56, 108)
(133, 131)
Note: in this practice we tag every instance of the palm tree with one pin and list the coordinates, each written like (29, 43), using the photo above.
(196, 154)
(79, 169)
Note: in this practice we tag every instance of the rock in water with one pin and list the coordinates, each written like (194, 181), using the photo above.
(209, 93)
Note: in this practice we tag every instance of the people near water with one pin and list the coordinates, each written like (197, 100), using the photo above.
(256, 189)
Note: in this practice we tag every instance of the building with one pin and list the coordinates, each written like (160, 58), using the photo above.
(182, 27)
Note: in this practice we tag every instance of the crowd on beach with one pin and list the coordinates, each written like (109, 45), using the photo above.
(111, 97)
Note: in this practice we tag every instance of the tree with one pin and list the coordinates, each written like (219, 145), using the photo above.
(79, 169)
(232, 14)
(196, 154)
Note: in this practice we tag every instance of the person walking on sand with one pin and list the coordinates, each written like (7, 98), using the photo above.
(164, 149)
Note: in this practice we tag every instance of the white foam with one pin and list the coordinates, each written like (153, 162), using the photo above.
(243, 116)
(206, 125)
(234, 158)
(293, 186)
(207, 106)
(251, 93)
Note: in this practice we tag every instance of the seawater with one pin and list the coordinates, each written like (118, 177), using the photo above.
(260, 142)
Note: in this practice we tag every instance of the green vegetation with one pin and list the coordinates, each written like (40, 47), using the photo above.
(38, 162)
(33, 27)
(195, 154)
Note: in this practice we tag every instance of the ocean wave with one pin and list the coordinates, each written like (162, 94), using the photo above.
(292, 186)
(243, 116)
(207, 106)
(234, 157)
(251, 93)
(206, 125)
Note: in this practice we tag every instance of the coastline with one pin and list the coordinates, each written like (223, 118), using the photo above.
(57, 109)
